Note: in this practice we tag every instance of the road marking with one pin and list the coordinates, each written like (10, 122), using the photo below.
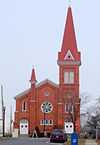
(48, 142)
(91, 143)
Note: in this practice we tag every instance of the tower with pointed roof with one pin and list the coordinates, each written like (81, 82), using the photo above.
(69, 61)
(32, 101)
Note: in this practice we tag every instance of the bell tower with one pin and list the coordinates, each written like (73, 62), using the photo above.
(69, 60)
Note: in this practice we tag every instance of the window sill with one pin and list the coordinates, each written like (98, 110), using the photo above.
(24, 110)
(68, 112)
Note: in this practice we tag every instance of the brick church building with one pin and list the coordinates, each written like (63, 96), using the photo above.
(50, 102)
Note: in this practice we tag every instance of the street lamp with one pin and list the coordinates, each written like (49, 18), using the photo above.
(46, 107)
(4, 108)
(44, 125)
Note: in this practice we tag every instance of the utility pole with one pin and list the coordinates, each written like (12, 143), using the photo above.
(3, 112)
(11, 120)
(2, 99)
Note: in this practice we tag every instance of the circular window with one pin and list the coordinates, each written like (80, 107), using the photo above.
(46, 107)
(46, 93)
(69, 95)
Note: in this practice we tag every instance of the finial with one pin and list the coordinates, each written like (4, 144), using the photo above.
(33, 66)
(69, 2)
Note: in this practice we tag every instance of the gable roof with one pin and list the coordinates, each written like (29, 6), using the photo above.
(21, 94)
(47, 81)
(38, 85)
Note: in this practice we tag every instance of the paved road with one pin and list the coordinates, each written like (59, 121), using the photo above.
(90, 142)
(28, 141)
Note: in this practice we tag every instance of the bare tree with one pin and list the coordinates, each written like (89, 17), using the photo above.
(94, 115)
(77, 107)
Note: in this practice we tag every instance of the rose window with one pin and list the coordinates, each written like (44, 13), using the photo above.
(46, 107)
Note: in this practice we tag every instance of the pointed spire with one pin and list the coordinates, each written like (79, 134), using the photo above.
(69, 40)
(33, 78)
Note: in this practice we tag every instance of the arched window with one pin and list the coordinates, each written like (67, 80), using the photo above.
(24, 106)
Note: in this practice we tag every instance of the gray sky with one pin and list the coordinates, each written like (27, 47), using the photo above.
(31, 33)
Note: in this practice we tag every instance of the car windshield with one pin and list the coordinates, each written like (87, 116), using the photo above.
(56, 132)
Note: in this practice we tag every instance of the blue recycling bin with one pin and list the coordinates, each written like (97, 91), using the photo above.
(74, 139)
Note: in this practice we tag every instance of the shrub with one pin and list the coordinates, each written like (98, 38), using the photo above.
(38, 131)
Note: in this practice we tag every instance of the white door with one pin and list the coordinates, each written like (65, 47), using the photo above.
(69, 127)
(24, 126)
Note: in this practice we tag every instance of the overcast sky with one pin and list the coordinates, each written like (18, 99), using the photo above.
(31, 33)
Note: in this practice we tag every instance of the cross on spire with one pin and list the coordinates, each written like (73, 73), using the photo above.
(69, 2)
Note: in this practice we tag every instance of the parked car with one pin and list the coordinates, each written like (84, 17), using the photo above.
(58, 135)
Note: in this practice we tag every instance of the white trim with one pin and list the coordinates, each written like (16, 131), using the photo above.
(24, 110)
(33, 82)
(21, 94)
(59, 103)
(33, 101)
(47, 81)
(69, 54)
(69, 63)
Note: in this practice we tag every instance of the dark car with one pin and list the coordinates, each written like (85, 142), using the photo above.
(58, 135)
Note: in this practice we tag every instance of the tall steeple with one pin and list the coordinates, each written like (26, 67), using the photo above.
(69, 51)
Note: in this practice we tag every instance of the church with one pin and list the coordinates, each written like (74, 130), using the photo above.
(47, 105)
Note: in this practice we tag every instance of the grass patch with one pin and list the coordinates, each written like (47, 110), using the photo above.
(80, 142)
(5, 138)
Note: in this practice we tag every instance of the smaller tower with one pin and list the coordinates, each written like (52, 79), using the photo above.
(32, 102)
(33, 78)
(33, 82)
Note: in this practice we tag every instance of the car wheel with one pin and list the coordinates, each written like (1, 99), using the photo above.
(50, 140)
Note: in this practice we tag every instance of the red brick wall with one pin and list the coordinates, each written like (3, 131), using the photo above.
(73, 89)
(57, 96)
(53, 98)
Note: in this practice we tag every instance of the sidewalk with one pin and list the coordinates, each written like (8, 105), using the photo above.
(90, 142)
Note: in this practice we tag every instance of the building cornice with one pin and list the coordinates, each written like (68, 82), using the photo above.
(21, 94)
(69, 63)
(47, 81)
